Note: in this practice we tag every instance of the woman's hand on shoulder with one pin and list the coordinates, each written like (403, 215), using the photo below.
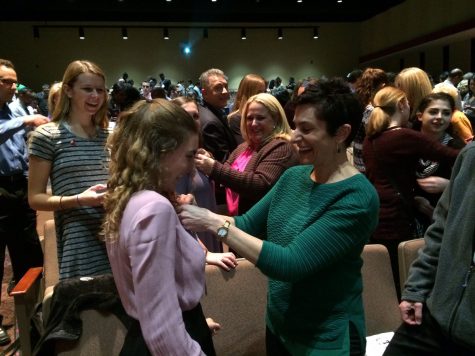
(226, 260)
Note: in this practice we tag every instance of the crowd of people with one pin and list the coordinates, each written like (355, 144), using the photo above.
(151, 184)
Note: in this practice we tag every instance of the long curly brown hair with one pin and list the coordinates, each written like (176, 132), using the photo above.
(144, 135)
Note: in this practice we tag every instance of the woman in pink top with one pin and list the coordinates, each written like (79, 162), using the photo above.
(158, 267)
(256, 164)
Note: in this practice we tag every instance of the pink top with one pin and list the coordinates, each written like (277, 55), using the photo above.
(232, 198)
(159, 270)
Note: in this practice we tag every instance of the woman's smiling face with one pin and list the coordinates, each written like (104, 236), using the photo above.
(87, 93)
(436, 117)
(259, 123)
(314, 144)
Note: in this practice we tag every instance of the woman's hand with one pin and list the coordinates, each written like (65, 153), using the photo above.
(204, 163)
(411, 312)
(183, 199)
(213, 326)
(433, 184)
(424, 206)
(199, 219)
(92, 196)
(226, 260)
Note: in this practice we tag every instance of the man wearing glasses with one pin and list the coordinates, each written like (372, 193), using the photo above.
(17, 219)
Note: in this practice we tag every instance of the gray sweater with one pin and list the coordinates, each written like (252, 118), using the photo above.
(442, 276)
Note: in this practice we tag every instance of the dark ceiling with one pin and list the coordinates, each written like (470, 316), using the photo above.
(196, 11)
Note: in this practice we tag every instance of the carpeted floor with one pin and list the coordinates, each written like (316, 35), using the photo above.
(7, 305)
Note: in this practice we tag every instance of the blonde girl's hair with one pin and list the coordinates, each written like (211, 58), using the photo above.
(281, 125)
(63, 106)
(385, 104)
(53, 96)
(416, 84)
(146, 133)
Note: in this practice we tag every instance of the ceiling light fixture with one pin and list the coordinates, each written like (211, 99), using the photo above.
(166, 35)
(124, 33)
(315, 32)
(81, 33)
(243, 33)
(280, 33)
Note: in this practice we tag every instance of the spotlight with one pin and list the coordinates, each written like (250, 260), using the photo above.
(81, 33)
(36, 32)
(243, 33)
(280, 33)
(187, 50)
(205, 33)
(166, 36)
(315, 32)
(124, 33)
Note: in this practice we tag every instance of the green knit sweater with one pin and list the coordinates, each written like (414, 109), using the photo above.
(315, 235)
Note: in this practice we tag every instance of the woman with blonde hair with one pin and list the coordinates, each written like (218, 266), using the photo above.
(158, 266)
(256, 164)
(251, 84)
(53, 97)
(391, 153)
(415, 83)
(69, 151)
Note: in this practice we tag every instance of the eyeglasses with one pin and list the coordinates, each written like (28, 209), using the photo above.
(8, 82)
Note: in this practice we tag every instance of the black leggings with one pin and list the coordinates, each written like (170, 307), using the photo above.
(195, 324)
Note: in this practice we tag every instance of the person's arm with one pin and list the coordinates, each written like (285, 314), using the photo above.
(255, 183)
(433, 184)
(200, 219)
(322, 243)
(9, 127)
(153, 253)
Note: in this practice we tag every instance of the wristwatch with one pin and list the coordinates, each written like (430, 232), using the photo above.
(222, 231)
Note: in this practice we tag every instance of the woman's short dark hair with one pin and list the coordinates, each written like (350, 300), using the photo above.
(335, 104)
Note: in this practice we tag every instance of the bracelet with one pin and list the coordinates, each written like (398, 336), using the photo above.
(60, 203)
(77, 199)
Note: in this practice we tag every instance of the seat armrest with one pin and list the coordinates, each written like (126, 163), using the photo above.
(27, 292)
(28, 280)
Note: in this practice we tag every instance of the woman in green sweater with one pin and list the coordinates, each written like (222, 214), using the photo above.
(308, 232)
